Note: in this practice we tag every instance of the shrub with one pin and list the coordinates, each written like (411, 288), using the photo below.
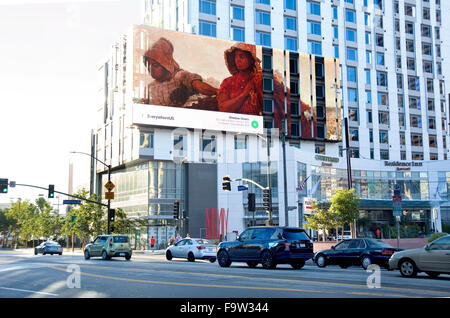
(435, 236)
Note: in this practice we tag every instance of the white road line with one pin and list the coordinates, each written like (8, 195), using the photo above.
(28, 291)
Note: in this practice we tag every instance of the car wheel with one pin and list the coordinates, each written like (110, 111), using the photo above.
(191, 257)
(212, 260)
(407, 268)
(168, 255)
(223, 258)
(321, 260)
(252, 264)
(433, 274)
(43, 253)
(297, 264)
(86, 255)
(267, 260)
(60, 253)
(35, 252)
(128, 257)
(344, 266)
(105, 256)
(366, 262)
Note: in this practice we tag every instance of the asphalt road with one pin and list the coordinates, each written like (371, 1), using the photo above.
(24, 275)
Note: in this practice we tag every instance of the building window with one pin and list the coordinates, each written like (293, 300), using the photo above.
(320, 149)
(207, 28)
(238, 13)
(314, 48)
(290, 4)
(262, 17)
(313, 8)
(146, 140)
(384, 155)
(238, 34)
(314, 28)
(240, 142)
(268, 106)
(263, 38)
(290, 23)
(207, 7)
(267, 84)
(384, 137)
(290, 43)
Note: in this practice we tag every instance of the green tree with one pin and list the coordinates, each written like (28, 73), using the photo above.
(90, 218)
(345, 206)
(322, 218)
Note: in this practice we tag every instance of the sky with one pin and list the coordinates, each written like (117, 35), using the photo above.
(49, 57)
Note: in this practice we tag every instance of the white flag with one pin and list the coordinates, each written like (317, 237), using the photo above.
(316, 186)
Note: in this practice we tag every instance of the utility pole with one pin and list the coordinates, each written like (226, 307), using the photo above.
(349, 169)
(109, 181)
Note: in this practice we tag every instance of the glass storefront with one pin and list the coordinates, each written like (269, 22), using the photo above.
(258, 172)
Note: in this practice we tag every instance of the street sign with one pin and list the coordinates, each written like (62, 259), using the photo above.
(397, 212)
(242, 188)
(71, 201)
(109, 195)
(109, 185)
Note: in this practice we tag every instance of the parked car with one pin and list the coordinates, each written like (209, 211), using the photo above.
(269, 245)
(192, 249)
(48, 247)
(107, 246)
(361, 252)
(347, 235)
(433, 259)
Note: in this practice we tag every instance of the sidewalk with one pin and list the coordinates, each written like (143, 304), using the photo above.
(78, 251)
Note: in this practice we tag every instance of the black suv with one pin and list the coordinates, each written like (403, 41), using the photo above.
(268, 245)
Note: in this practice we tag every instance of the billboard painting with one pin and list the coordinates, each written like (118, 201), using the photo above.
(194, 72)
(306, 115)
(279, 95)
(331, 81)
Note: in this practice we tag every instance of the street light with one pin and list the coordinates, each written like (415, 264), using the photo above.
(109, 179)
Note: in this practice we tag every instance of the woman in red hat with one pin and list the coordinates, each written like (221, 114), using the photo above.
(241, 92)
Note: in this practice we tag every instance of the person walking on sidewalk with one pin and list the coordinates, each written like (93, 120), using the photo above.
(178, 238)
(152, 242)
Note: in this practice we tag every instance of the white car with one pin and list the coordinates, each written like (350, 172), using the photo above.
(192, 249)
(347, 235)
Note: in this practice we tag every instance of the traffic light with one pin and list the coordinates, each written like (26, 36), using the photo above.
(251, 202)
(176, 210)
(3, 185)
(226, 184)
(267, 198)
(51, 191)
(112, 215)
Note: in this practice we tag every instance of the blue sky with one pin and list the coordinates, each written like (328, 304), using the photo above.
(49, 56)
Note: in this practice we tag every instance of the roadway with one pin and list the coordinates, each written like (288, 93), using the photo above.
(24, 275)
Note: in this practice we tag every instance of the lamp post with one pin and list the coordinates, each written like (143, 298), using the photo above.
(109, 179)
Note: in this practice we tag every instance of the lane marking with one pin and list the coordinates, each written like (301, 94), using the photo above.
(274, 279)
(28, 291)
(236, 287)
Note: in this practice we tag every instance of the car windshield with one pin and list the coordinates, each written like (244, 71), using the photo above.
(295, 235)
(120, 239)
(52, 244)
(377, 243)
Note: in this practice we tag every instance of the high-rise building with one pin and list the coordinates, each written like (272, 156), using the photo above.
(391, 53)
(387, 59)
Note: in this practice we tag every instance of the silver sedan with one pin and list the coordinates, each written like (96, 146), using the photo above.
(433, 259)
(192, 249)
(48, 247)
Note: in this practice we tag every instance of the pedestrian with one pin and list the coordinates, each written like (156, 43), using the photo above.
(378, 233)
(187, 235)
(152, 242)
(172, 240)
(178, 238)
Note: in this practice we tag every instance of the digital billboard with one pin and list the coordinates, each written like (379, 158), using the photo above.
(221, 80)
(191, 81)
